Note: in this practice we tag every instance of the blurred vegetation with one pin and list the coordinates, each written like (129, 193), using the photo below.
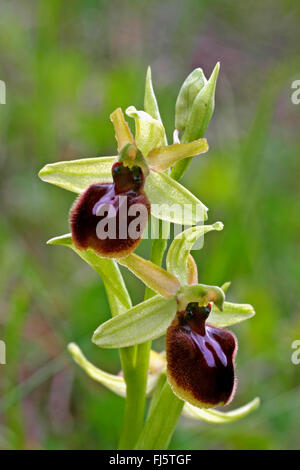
(67, 65)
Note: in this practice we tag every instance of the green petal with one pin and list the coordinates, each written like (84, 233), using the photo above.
(122, 132)
(150, 101)
(77, 175)
(149, 132)
(144, 322)
(220, 417)
(109, 272)
(155, 277)
(231, 314)
(115, 383)
(200, 293)
(180, 248)
(171, 202)
(162, 158)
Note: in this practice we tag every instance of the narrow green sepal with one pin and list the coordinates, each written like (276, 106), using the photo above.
(150, 101)
(231, 314)
(220, 417)
(144, 322)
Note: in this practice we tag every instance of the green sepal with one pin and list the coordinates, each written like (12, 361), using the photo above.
(181, 246)
(149, 132)
(164, 193)
(150, 101)
(231, 314)
(144, 322)
(220, 417)
(115, 383)
(77, 175)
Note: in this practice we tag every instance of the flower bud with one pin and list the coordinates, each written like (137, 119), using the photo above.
(200, 358)
(110, 217)
(187, 94)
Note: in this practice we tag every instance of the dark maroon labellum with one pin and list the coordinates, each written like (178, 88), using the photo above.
(111, 217)
(200, 358)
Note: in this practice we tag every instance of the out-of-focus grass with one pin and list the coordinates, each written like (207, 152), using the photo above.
(66, 67)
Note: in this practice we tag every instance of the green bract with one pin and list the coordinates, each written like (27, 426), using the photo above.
(181, 246)
(186, 97)
(199, 116)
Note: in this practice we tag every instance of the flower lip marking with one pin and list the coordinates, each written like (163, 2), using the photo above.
(200, 358)
(105, 216)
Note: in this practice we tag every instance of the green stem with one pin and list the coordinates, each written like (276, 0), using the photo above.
(162, 421)
(135, 388)
(137, 374)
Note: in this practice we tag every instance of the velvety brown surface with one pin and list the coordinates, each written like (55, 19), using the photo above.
(113, 199)
(200, 360)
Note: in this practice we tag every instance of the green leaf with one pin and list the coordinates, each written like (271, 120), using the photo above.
(162, 158)
(115, 383)
(200, 293)
(152, 275)
(150, 101)
(231, 314)
(144, 322)
(77, 175)
(171, 202)
(187, 94)
(180, 248)
(122, 132)
(149, 132)
(109, 272)
(220, 417)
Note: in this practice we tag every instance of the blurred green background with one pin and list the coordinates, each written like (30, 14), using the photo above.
(67, 66)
